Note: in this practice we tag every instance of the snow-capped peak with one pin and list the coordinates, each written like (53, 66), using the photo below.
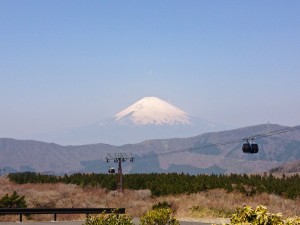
(152, 111)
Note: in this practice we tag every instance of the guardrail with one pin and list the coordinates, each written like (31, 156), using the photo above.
(55, 211)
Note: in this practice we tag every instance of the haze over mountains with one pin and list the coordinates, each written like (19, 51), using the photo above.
(188, 155)
(162, 138)
(148, 118)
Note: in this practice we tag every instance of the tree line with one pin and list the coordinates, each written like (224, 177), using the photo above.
(174, 183)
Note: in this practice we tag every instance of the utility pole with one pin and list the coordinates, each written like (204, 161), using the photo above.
(119, 158)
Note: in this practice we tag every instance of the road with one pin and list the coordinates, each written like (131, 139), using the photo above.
(81, 222)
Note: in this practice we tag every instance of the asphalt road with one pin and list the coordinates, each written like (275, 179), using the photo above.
(79, 223)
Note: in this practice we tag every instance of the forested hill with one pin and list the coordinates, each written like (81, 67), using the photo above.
(173, 183)
(191, 155)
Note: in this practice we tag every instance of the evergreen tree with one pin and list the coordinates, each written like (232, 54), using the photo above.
(13, 201)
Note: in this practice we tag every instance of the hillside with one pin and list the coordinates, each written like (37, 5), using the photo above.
(209, 204)
(153, 155)
(289, 167)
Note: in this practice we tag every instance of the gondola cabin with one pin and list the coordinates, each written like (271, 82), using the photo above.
(254, 148)
(111, 170)
(250, 148)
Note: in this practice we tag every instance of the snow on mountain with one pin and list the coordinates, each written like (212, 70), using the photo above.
(152, 111)
(148, 118)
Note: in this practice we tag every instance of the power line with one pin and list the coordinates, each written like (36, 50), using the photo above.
(281, 131)
(254, 137)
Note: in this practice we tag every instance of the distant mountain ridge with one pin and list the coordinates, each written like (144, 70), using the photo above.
(152, 155)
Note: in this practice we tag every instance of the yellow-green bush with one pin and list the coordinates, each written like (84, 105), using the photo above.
(260, 216)
(160, 205)
(159, 216)
(111, 219)
(293, 221)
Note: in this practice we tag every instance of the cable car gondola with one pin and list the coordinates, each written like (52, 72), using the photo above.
(250, 147)
(111, 170)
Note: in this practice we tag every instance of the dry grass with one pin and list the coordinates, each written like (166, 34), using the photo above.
(210, 204)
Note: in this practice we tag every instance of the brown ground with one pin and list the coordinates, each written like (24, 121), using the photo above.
(210, 204)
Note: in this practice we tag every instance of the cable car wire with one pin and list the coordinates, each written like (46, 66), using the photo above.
(281, 131)
(254, 137)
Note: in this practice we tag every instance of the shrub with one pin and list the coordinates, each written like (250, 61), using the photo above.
(293, 221)
(199, 211)
(13, 201)
(159, 216)
(260, 216)
(111, 219)
(161, 205)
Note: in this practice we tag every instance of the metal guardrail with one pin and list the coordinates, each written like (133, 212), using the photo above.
(55, 211)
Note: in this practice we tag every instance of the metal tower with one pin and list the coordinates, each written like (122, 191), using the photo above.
(119, 158)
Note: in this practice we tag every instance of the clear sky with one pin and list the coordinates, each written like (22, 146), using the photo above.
(70, 63)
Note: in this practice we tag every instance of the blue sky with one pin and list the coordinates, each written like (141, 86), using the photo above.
(65, 64)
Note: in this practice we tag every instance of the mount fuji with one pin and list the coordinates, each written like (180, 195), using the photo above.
(152, 111)
(148, 118)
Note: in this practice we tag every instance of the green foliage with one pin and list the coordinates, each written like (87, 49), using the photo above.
(161, 205)
(174, 184)
(13, 201)
(111, 219)
(159, 216)
(202, 211)
(260, 216)
(293, 221)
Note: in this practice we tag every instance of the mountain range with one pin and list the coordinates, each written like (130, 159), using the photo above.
(148, 118)
(193, 155)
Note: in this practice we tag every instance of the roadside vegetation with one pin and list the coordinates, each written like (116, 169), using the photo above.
(260, 216)
(13, 201)
(203, 205)
(163, 216)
